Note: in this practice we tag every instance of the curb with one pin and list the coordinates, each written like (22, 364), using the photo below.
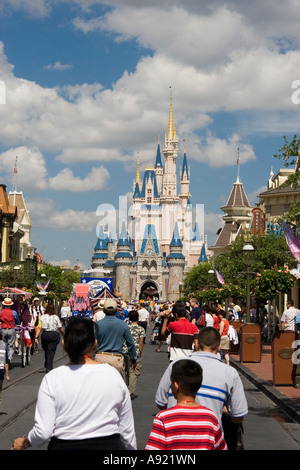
(283, 402)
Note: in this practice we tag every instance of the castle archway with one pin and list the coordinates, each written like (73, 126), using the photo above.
(149, 289)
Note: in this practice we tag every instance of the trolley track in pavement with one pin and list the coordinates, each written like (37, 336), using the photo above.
(21, 392)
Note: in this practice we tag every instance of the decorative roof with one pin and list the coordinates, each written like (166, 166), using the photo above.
(237, 197)
(176, 241)
(196, 237)
(158, 163)
(137, 192)
(171, 127)
(123, 237)
(149, 175)
(184, 166)
(150, 233)
(203, 258)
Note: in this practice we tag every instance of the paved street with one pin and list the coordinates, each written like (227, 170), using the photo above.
(266, 426)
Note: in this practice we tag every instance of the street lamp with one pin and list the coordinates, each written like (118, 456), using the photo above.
(248, 251)
(180, 288)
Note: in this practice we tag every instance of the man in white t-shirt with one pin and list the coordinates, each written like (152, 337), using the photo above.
(288, 317)
(144, 319)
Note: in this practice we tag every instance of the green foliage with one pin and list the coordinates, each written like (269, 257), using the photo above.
(270, 252)
(289, 151)
(270, 282)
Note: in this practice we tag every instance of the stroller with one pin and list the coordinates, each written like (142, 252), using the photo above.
(155, 333)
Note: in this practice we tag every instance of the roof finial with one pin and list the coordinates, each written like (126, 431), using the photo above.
(238, 166)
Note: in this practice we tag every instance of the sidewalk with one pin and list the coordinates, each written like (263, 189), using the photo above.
(261, 375)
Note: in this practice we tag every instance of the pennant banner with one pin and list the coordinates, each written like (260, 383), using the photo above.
(219, 277)
(167, 285)
(292, 242)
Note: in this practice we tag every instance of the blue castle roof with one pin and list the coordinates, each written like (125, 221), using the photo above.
(149, 174)
(150, 231)
(176, 241)
(158, 163)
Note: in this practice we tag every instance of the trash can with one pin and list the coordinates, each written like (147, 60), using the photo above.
(284, 365)
(250, 345)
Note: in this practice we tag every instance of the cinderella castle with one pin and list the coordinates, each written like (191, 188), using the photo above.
(166, 240)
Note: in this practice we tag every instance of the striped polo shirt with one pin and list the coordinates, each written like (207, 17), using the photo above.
(186, 428)
(221, 386)
(183, 336)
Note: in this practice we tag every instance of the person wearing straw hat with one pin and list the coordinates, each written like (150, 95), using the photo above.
(8, 319)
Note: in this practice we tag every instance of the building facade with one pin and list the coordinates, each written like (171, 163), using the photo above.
(164, 240)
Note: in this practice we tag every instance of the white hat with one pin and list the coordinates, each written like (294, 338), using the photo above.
(7, 301)
(101, 303)
(110, 306)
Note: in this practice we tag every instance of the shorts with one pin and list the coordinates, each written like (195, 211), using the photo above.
(225, 343)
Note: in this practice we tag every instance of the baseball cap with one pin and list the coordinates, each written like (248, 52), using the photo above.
(110, 305)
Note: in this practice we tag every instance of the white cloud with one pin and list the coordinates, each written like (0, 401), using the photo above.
(45, 213)
(220, 152)
(27, 158)
(96, 180)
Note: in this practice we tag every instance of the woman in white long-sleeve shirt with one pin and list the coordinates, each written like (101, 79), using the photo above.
(83, 405)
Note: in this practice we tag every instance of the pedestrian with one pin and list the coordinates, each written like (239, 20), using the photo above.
(111, 335)
(224, 330)
(184, 334)
(37, 311)
(138, 335)
(9, 319)
(144, 319)
(3, 365)
(196, 311)
(49, 329)
(221, 385)
(187, 425)
(65, 313)
(288, 319)
(76, 409)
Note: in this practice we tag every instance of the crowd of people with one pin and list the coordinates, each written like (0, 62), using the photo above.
(105, 362)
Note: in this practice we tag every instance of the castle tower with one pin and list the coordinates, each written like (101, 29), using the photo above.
(123, 262)
(170, 152)
(176, 264)
(159, 170)
(184, 182)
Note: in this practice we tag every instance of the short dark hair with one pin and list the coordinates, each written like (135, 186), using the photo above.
(209, 337)
(79, 337)
(179, 310)
(133, 315)
(188, 374)
(290, 302)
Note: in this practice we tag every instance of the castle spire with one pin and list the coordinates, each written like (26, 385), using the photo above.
(171, 126)
(138, 175)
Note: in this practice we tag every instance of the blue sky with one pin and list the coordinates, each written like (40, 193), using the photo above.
(87, 90)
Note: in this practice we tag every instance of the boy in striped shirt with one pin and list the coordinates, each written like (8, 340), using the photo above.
(188, 425)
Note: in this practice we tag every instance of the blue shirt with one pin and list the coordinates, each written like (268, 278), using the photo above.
(111, 335)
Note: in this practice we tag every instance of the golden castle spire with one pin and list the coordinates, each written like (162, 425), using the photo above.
(171, 128)
(138, 176)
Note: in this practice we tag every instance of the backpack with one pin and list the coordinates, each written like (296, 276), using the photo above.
(201, 320)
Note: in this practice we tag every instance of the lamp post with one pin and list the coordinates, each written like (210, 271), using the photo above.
(180, 288)
(248, 251)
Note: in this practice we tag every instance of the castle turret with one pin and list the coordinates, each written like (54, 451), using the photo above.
(176, 263)
(123, 262)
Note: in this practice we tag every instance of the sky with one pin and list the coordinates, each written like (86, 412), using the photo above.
(85, 89)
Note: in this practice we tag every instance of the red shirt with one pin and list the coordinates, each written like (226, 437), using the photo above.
(189, 428)
(7, 318)
(184, 333)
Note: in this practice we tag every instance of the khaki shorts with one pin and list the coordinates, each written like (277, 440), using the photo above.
(113, 359)
(225, 343)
